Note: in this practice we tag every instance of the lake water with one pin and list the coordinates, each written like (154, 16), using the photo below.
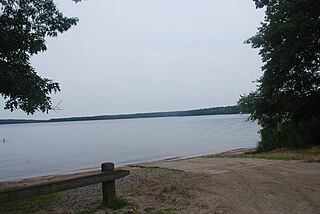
(52, 148)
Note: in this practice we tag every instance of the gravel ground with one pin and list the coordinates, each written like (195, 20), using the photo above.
(203, 185)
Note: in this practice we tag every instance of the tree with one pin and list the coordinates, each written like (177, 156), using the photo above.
(288, 93)
(246, 103)
(24, 25)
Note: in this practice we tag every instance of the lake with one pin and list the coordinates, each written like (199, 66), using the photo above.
(32, 150)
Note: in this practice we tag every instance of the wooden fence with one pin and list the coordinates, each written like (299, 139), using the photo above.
(107, 177)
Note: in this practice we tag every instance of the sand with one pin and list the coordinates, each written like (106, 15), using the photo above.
(203, 185)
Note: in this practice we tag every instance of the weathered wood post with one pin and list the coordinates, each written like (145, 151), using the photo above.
(108, 188)
(279, 127)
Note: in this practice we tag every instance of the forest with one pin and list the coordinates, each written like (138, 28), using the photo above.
(197, 112)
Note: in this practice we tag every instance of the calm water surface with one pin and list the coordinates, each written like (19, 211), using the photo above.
(52, 148)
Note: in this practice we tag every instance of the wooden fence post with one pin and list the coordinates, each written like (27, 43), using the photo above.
(107, 177)
(108, 188)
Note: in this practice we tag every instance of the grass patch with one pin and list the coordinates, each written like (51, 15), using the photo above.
(309, 155)
(184, 192)
(31, 205)
(92, 209)
(151, 210)
(121, 203)
(153, 168)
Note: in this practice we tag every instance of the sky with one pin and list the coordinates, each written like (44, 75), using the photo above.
(129, 56)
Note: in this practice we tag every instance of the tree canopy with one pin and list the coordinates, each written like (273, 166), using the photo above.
(288, 91)
(24, 26)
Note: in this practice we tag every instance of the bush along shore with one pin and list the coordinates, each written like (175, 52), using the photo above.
(310, 155)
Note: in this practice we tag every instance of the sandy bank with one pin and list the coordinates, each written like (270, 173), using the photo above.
(207, 185)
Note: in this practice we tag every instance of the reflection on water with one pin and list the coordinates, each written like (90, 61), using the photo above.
(50, 148)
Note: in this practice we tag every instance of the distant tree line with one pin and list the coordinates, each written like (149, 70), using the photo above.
(198, 112)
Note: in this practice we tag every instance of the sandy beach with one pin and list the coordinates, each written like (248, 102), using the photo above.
(201, 185)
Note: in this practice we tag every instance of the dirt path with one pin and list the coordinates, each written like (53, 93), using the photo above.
(247, 185)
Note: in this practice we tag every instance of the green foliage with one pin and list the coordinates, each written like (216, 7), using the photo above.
(31, 205)
(121, 203)
(178, 190)
(310, 155)
(24, 25)
(289, 90)
(151, 210)
(270, 139)
(92, 209)
(261, 3)
(247, 103)
(300, 135)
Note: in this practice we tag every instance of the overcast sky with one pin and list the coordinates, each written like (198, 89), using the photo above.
(128, 56)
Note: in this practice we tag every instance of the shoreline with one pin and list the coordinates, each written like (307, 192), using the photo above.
(203, 184)
(78, 173)
(228, 152)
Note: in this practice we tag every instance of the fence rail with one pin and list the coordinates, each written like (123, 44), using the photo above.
(107, 177)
